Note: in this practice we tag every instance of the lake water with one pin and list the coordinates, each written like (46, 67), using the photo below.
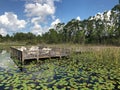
(5, 61)
(75, 73)
(47, 75)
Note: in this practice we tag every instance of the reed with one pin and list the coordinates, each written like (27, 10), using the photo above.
(96, 68)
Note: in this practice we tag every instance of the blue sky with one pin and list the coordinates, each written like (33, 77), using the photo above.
(37, 16)
(68, 9)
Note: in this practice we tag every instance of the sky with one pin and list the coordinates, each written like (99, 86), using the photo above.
(38, 16)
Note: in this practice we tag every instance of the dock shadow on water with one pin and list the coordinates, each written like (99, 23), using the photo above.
(78, 72)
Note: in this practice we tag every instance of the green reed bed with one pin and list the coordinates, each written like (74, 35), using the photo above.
(93, 70)
(102, 68)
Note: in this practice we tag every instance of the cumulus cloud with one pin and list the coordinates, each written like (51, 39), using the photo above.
(37, 29)
(78, 18)
(3, 32)
(54, 23)
(36, 20)
(38, 9)
(38, 12)
(10, 22)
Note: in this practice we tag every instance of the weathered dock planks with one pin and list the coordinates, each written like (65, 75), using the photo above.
(37, 53)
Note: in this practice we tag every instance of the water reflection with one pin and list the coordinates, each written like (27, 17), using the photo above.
(5, 61)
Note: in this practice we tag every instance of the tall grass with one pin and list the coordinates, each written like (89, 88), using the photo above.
(87, 68)
(101, 65)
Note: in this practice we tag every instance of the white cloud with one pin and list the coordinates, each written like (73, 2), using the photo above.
(40, 8)
(99, 16)
(10, 22)
(36, 20)
(108, 15)
(37, 29)
(53, 24)
(38, 12)
(78, 18)
(3, 32)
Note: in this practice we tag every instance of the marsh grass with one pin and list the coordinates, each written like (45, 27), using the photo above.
(95, 68)
(7, 45)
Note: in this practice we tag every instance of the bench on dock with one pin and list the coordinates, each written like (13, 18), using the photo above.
(35, 52)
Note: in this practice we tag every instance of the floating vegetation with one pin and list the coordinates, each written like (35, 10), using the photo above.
(84, 71)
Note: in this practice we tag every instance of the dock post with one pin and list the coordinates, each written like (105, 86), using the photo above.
(22, 55)
(37, 56)
(60, 56)
(49, 55)
(60, 53)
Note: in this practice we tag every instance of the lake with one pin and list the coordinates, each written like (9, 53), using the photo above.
(79, 72)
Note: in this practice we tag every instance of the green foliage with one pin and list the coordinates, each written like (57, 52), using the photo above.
(99, 29)
(23, 36)
(117, 7)
(96, 69)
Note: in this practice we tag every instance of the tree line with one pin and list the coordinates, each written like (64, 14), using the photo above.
(100, 29)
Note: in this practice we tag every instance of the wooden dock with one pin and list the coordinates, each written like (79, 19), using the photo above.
(37, 53)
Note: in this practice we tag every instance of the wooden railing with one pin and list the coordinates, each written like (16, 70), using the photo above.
(37, 54)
